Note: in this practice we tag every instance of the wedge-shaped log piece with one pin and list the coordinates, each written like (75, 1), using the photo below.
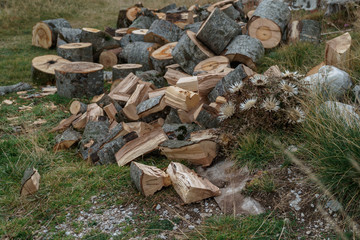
(140, 94)
(212, 65)
(190, 186)
(162, 57)
(110, 111)
(94, 112)
(81, 122)
(106, 154)
(66, 139)
(337, 51)
(127, 86)
(141, 128)
(181, 99)
(30, 182)
(121, 71)
(273, 71)
(148, 179)
(173, 75)
(43, 68)
(197, 153)
(150, 106)
(208, 81)
(76, 52)
(157, 92)
(140, 146)
(180, 131)
(188, 83)
(163, 32)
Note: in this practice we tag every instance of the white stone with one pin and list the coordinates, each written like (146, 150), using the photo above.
(343, 112)
(187, 217)
(191, 227)
(158, 207)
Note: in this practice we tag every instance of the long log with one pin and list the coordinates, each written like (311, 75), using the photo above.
(76, 52)
(139, 53)
(304, 30)
(21, 86)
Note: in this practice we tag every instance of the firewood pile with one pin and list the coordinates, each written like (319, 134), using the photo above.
(170, 76)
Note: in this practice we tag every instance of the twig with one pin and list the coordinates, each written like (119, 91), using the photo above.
(340, 31)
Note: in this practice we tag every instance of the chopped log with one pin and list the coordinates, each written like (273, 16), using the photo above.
(197, 153)
(231, 11)
(157, 92)
(140, 94)
(79, 79)
(212, 65)
(221, 99)
(142, 22)
(207, 117)
(77, 107)
(121, 32)
(162, 57)
(208, 81)
(194, 27)
(169, 7)
(81, 122)
(138, 35)
(65, 123)
(121, 71)
(248, 70)
(105, 100)
(111, 111)
(304, 30)
(76, 52)
(68, 35)
(172, 117)
(273, 71)
(152, 78)
(30, 182)
(43, 68)
(94, 112)
(163, 32)
(190, 186)
(67, 139)
(132, 12)
(189, 52)
(110, 31)
(224, 85)
(207, 134)
(337, 51)
(109, 58)
(140, 128)
(269, 22)
(245, 49)
(127, 86)
(45, 33)
(150, 106)
(174, 66)
(122, 21)
(21, 86)
(140, 146)
(173, 75)
(106, 154)
(315, 69)
(219, 5)
(181, 99)
(148, 179)
(180, 18)
(188, 83)
(139, 53)
(189, 116)
(217, 31)
(180, 131)
(250, 14)
(216, 106)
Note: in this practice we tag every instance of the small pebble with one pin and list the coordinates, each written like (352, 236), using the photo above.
(158, 207)
(191, 227)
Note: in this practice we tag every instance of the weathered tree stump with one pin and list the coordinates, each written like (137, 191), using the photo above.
(162, 57)
(68, 35)
(120, 71)
(139, 53)
(79, 79)
(76, 52)
(163, 32)
(245, 49)
(217, 31)
(45, 33)
(269, 22)
(109, 58)
(188, 52)
(304, 30)
(43, 68)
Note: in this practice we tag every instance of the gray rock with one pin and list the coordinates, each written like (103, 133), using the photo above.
(356, 91)
(343, 112)
(333, 205)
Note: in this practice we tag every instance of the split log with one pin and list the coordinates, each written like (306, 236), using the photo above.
(190, 186)
(163, 32)
(106, 154)
(77, 107)
(245, 49)
(65, 123)
(217, 31)
(197, 153)
(250, 14)
(109, 58)
(231, 11)
(337, 51)
(67, 139)
(68, 35)
(180, 131)
(189, 116)
(140, 94)
(269, 22)
(173, 75)
(194, 27)
(111, 111)
(138, 35)
(140, 146)
(30, 182)
(148, 179)
(45, 33)
(304, 30)
(212, 65)
(122, 21)
(21, 86)
(121, 32)
(172, 117)
(157, 92)
(150, 106)
(315, 69)
(168, 8)
(140, 128)
(121, 71)
(79, 79)
(142, 22)
(208, 81)
(93, 112)
(162, 57)
(152, 78)
(127, 86)
(188, 83)
(104, 100)
(139, 53)
(80, 122)
(207, 117)
(189, 52)
(249, 72)
(180, 18)
(224, 85)
(181, 99)
(207, 134)
(76, 52)
(43, 68)
(127, 16)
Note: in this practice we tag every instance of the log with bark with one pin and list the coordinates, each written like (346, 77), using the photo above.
(67, 139)
(45, 33)
(217, 31)
(106, 155)
(207, 117)
(150, 106)
(68, 35)
(127, 16)
(153, 78)
(110, 111)
(139, 95)
(94, 112)
(162, 57)
(219, 5)
(337, 51)
(180, 18)
(148, 179)
(173, 75)
(190, 186)
(231, 11)
(138, 35)
(207, 134)
(121, 71)
(121, 32)
(273, 71)
(79, 79)
(43, 68)
(269, 22)
(188, 52)
(21, 86)
(139, 53)
(181, 99)
(80, 122)
(126, 86)
(212, 65)
(194, 27)
(30, 182)
(180, 131)
(109, 58)
(245, 49)
(208, 81)
(304, 30)
(76, 52)
(142, 22)
(77, 107)
(163, 32)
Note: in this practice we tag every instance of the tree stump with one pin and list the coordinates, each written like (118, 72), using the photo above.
(109, 58)
(68, 35)
(163, 32)
(189, 52)
(120, 71)
(138, 35)
(337, 51)
(45, 33)
(269, 22)
(162, 57)
(139, 53)
(43, 68)
(304, 30)
(79, 79)
(217, 31)
(245, 49)
(76, 52)
(212, 65)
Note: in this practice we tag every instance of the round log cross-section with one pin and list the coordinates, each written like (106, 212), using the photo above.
(162, 57)
(79, 79)
(76, 52)
(43, 68)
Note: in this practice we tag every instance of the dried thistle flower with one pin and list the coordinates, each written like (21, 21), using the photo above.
(271, 104)
(249, 103)
(288, 74)
(226, 111)
(259, 80)
(289, 88)
(296, 115)
(236, 87)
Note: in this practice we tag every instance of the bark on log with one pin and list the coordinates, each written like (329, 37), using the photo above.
(43, 68)
(79, 79)
(208, 81)
(207, 117)
(122, 21)
(138, 35)
(194, 27)
(76, 52)
(45, 33)
(163, 32)
(111, 111)
(80, 123)
(121, 71)
(139, 53)
(172, 76)
(148, 179)
(217, 31)
(109, 58)
(212, 65)
(150, 106)
(127, 86)
(121, 32)
(269, 22)
(66, 139)
(68, 35)
(180, 131)
(188, 52)
(77, 107)
(207, 134)
(337, 51)
(168, 8)
(304, 30)
(107, 153)
(65, 123)
(21, 86)
(219, 5)
(162, 57)
(153, 77)
(180, 18)
(30, 182)
(231, 11)
(245, 49)
(172, 117)
(142, 22)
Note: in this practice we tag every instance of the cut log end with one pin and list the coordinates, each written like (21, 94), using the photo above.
(268, 32)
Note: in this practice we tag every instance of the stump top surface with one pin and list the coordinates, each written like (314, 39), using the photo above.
(80, 67)
(48, 63)
(267, 31)
(164, 52)
(202, 47)
(127, 66)
(75, 45)
(94, 30)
